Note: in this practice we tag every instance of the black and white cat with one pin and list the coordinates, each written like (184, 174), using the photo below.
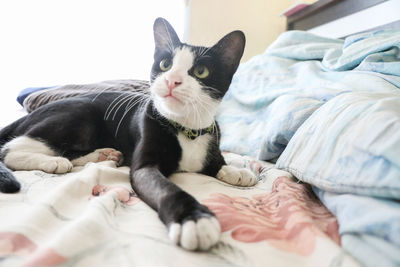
(170, 129)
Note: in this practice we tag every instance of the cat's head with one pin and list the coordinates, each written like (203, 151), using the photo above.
(188, 82)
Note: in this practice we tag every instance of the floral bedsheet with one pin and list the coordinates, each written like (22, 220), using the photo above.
(90, 217)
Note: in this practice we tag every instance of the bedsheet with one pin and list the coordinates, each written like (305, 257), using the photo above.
(90, 217)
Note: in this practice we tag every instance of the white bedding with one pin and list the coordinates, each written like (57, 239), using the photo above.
(91, 218)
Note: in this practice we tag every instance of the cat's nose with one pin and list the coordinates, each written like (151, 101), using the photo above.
(173, 81)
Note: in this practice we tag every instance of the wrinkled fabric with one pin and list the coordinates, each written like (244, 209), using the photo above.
(272, 94)
(329, 111)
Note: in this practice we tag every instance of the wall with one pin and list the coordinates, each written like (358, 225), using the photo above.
(209, 20)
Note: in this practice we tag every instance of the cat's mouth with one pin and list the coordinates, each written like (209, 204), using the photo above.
(172, 97)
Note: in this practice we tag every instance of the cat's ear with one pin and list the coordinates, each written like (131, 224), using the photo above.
(165, 37)
(231, 48)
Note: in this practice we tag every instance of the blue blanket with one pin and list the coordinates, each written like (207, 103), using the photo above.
(328, 110)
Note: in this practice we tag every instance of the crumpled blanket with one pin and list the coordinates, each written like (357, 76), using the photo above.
(273, 93)
(328, 111)
(91, 217)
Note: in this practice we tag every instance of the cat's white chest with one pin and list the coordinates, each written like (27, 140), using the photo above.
(194, 152)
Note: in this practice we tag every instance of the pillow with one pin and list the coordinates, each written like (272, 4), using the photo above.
(28, 91)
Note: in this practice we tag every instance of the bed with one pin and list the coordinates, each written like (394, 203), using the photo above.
(319, 121)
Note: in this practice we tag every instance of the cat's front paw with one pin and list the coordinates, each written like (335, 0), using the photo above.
(237, 176)
(55, 165)
(109, 154)
(200, 230)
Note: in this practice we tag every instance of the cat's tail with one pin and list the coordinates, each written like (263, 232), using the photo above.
(8, 182)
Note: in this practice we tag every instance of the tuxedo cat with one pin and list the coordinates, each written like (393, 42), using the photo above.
(170, 128)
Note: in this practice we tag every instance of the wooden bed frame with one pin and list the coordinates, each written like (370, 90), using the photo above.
(323, 12)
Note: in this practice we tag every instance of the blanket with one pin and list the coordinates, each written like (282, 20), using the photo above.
(328, 111)
(272, 94)
(91, 217)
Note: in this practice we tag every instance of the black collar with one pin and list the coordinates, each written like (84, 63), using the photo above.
(193, 133)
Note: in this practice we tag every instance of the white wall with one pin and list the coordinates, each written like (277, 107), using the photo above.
(51, 42)
(210, 20)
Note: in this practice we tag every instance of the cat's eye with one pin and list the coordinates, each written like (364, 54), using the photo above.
(201, 71)
(165, 64)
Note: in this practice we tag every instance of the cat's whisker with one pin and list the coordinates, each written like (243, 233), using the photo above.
(119, 105)
(206, 108)
(205, 104)
(122, 118)
(205, 51)
(111, 105)
(102, 91)
(198, 117)
(126, 112)
(139, 100)
(131, 102)
(143, 98)
(201, 52)
(143, 105)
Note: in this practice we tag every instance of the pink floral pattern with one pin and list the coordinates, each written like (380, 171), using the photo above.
(124, 195)
(18, 244)
(15, 244)
(289, 218)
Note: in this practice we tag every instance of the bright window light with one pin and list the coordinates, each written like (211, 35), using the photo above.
(55, 42)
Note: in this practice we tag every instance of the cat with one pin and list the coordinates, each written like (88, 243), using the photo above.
(170, 128)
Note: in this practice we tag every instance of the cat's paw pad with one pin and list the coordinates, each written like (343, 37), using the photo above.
(237, 176)
(109, 154)
(200, 234)
(56, 165)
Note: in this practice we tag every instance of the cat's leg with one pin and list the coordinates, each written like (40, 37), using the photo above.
(99, 155)
(190, 224)
(26, 153)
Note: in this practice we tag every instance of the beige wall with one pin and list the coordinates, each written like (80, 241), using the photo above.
(209, 20)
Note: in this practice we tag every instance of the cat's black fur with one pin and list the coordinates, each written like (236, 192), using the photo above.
(76, 126)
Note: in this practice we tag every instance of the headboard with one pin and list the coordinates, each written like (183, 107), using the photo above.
(340, 18)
